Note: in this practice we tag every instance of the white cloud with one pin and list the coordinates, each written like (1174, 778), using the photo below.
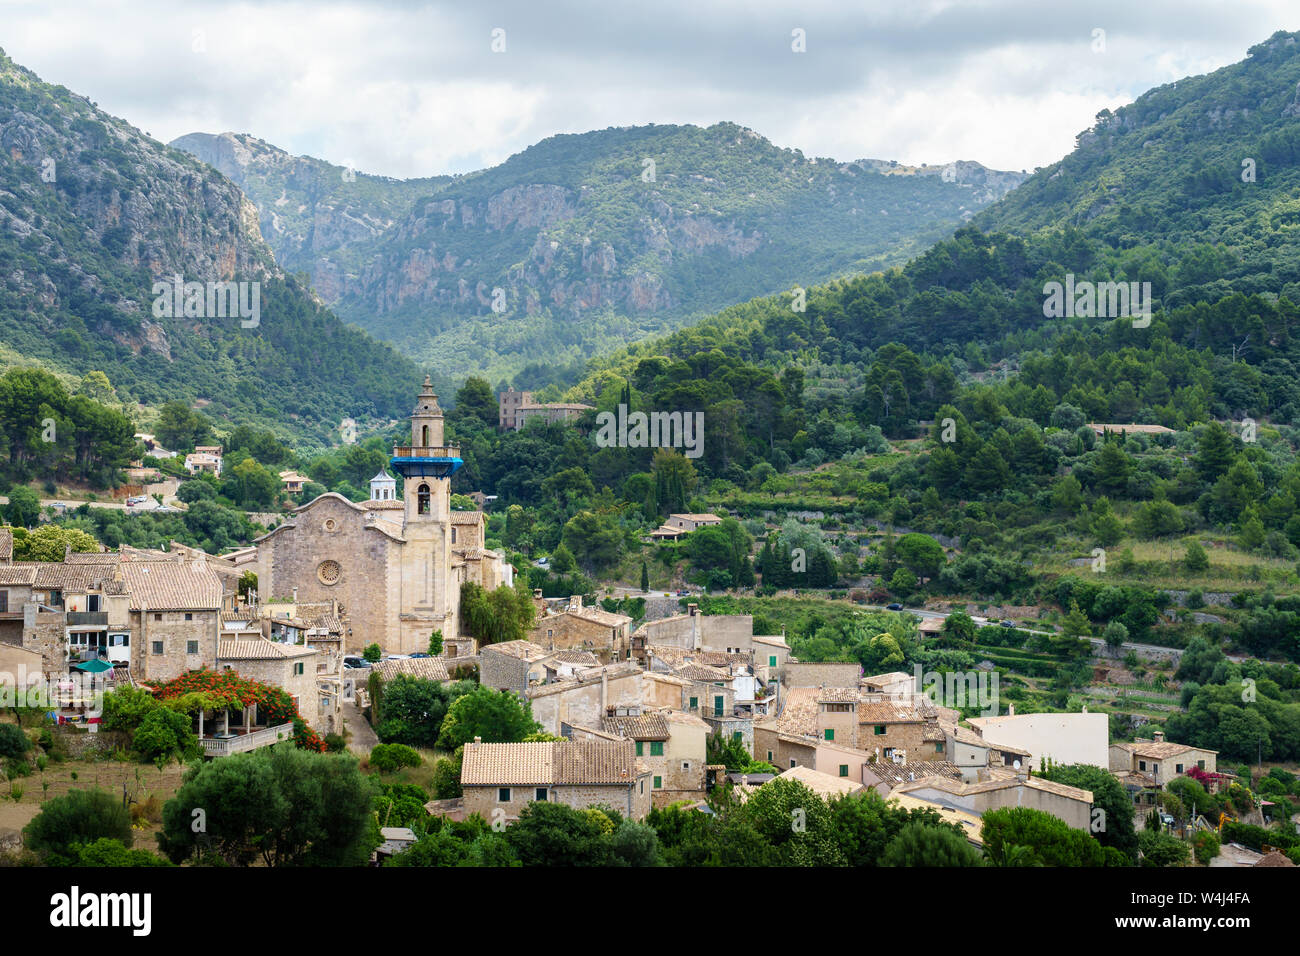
(410, 89)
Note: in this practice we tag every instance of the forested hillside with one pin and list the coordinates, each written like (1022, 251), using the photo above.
(594, 239)
(93, 213)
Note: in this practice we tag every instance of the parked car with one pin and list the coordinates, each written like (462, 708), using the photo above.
(1006, 623)
(355, 662)
(893, 607)
(420, 655)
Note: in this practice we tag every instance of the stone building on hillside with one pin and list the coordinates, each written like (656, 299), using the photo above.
(395, 566)
(499, 780)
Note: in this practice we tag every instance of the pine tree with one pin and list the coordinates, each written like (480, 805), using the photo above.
(645, 578)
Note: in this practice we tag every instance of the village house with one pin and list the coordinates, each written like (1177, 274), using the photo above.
(1069, 804)
(293, 482)
(1159, 759)
(293, 668)
(825, 785)
(679, 525)
(584, 628)
(1060, 738)
(719, 633)
(499, 780)
(670, 743)
(204, 460)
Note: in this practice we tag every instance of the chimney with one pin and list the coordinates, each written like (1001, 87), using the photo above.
(295, 595)
(477, 741)
(1011, 710)
(692, 609)
(1158, 736)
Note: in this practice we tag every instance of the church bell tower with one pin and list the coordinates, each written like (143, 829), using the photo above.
(426, 466)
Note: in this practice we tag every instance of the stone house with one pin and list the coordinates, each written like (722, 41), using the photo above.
(584, 628)
(672, 744)
(293, 668)
(1159, 759)
(1070, 804)
(499, 780)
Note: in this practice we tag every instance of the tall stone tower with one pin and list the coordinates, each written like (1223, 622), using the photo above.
(429, 601)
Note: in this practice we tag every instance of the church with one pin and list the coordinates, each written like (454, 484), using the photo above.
(394, 565)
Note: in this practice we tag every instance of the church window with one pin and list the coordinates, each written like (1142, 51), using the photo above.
(453, 535)
(424, 437)
(329, 572)
(422, 499)
(331, 525)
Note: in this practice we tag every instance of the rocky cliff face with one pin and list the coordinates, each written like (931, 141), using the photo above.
(650, 223)
(93, 213)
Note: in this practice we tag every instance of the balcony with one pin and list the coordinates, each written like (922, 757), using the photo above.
(239, 741)
(88, 618)
(426, 461)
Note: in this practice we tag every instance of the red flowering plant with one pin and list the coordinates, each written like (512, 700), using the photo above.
(228, 690)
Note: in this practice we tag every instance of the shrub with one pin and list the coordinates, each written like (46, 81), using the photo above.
(389, 758)
(335, 743)
(13, 742)
(80, 817)
(164, 734)
(1206, 847)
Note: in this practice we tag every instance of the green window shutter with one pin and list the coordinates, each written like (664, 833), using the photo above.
(656, 748)
(771, 661)
(938, 747)
(695, 702)
(639, 746)
(844, 770)
(737, 736)
(880, 730)
(717, 706)
(830, 734)
(659, 782)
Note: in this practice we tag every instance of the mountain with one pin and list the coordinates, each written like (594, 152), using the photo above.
(94, 213)
(593, 239)
(1154, 193)
(1211, 162)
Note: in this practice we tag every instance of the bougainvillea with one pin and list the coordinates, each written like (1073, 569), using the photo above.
(218, 690)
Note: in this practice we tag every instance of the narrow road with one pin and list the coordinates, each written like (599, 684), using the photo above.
(363, 738)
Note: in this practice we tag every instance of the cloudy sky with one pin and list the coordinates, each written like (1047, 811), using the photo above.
(410, 89)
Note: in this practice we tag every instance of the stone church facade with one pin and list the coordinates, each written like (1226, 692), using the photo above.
(395, 565)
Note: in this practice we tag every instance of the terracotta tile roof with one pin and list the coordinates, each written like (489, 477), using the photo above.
(426, 668)
(6, 544)
(508, 765)
(59, 576)
(895, 712)
(595, 762)
(520, 650)
(775, 640)
(820, 783)
(585, 658)
(799, 713)
(562, 763)
(644, 727)
(17, 574)
(1159, 750)
(957, 788)
(259, 649)
(837, 695)
(600, 616)
(700, 672)
(91, 557)
(163, 586)
(673, 655)
(898, 773)
(466, 517)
